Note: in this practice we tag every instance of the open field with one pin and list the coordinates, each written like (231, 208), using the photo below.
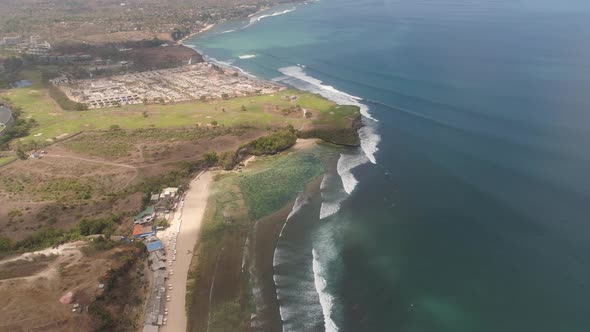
(6, 160)
(261, 112)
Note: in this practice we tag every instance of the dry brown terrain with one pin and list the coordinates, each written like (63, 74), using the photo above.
(32, 291)
(99, 21)
(97, 173)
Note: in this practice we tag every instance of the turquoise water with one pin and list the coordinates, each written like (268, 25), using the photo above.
(472, 215)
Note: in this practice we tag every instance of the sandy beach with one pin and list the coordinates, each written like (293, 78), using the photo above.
(189, 218)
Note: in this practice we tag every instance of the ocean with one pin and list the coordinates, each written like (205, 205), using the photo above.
(467, 206)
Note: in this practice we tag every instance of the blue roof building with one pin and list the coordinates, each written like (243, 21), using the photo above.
(153, 246)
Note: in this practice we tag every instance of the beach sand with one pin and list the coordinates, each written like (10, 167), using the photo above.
(191, 215)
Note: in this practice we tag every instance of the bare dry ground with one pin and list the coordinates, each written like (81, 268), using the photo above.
(31, 286)
(96, 173)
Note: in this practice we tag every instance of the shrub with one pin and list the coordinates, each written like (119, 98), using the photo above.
(211, 158)
(273, 143)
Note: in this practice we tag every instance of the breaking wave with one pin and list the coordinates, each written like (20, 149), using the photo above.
(326, 300)
(346, 163)
(247, 56)
(259, 18)
(228, 64)
(300, 201)
(227, 31)
(296, 76)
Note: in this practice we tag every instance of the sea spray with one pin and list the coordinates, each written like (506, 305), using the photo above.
(326, 300)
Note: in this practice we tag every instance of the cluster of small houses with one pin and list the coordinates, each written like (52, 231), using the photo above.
(33, 46)
(144, 228)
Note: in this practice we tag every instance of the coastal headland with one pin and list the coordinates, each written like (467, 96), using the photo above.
(72, 173)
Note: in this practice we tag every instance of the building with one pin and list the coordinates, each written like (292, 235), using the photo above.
(169, 193)
(141, 231)
(154, 309)
(11, 41)
(155, 245)
(145, 216)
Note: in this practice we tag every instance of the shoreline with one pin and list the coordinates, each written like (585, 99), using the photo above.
(210, 26)
(188, 220)
(265, 238)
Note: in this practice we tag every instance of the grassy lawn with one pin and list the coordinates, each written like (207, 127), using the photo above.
(261, 111)
(6, 160)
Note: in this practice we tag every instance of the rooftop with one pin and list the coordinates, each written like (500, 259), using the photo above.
(147, 212)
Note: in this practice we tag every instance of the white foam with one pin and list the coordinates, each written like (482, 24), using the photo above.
(247, 56)
(327, 91)
(296, 76)
(300, 201)
(324, 183)
(346, 163)
(369, 142)
(326, 300)
(227, 64)
(259, 18)
(329, 208)
(227, 31)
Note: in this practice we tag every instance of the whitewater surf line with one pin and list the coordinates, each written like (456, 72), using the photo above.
(296, 77)
(326, 299)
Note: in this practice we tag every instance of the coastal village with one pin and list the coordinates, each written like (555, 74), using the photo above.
(203, 81)
(164, 207)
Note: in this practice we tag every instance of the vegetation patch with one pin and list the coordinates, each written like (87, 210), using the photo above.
(236, 202)
(269, 189)
(273, 143)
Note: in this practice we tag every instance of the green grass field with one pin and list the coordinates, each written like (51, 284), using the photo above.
(261, 111)
(7, 160)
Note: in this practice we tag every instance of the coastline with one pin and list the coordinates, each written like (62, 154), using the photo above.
(188, 221)
(231, 277)
(265, 238)
(210, 26)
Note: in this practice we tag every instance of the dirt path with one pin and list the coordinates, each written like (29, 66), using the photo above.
(91, 161)
(188, 221)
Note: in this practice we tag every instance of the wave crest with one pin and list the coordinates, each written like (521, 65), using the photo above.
(296, 76)
(255, 19)
(326, 300)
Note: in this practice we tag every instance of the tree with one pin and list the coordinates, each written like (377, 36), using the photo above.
(224, 96)
(80, 107)
(211, 158)
(145, 114)
(21, 154)
(214, 123)
(243, 108)
(5, 243)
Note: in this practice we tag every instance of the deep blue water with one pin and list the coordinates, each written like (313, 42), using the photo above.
(475, 216)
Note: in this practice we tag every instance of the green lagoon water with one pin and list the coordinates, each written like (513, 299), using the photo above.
(468, 206)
